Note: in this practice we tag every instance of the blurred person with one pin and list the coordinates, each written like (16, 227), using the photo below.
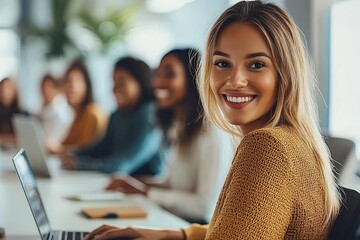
(89, 121)
(56, 114)
(256, 82)
(199, 154)
(9, 105)
(131, 145)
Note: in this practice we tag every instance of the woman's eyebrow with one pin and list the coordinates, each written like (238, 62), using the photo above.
(257, 54)
(221, 54)
(250, 55)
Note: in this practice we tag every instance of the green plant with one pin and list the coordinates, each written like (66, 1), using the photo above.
(107, 30)
(55, 35)
(112, 27)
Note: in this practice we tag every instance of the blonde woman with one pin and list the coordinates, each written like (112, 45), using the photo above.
(256, 83)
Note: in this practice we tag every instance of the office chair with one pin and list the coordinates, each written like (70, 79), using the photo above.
(347, 224)
(343, 153)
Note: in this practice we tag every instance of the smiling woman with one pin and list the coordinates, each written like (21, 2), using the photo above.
(255, 82)
(243, 80)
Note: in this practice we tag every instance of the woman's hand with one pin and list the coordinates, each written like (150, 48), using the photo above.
(54, 147)
(127, 184)
(110, 232)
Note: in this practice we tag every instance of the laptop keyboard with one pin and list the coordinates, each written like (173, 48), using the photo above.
(73, 235)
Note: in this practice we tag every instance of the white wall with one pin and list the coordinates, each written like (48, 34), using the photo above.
(320, 51)
(9, 39)
(344, 83)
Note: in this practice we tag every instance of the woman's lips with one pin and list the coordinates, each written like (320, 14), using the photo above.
(236, 101)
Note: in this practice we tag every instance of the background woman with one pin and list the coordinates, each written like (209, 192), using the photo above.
(131, 145)
(9, 105)
(198, 153)
(90, 120)
(55, 114)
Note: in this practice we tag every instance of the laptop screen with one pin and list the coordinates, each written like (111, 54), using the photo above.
(32, 194)
(30, 135)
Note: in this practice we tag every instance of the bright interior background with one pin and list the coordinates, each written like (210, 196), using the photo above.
(344, 76)
(330, 28)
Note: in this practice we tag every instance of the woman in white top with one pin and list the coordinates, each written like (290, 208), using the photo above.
(198, 160)
(56, 114)
(195, 176)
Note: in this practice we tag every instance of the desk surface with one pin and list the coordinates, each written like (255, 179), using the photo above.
(64, 214)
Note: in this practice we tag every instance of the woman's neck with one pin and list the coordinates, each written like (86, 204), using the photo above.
(50, 100)
(257, 124)
(78, 109)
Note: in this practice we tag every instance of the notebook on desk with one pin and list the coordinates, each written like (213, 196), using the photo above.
(30, 136)
(29, 184)
(115, 212)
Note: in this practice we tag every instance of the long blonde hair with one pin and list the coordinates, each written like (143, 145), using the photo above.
(295, 105)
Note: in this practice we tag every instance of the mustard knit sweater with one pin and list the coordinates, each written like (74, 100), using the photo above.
(273, 191)
(88, 126)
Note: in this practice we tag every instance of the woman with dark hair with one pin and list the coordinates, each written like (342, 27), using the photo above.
(199, 153)
(90, 120)
(178, 101)
(9, 105)
(131, 144)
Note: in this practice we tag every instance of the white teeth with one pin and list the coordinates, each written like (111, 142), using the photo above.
(161, 93)
(239, 99)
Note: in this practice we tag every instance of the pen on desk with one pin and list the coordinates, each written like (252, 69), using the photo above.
(111, 215)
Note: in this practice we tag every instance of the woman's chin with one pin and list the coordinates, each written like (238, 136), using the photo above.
(163, 104)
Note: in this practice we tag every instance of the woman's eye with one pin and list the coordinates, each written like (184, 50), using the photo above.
(221, 64)
(257, 65)
(119, 83)
(169, 74)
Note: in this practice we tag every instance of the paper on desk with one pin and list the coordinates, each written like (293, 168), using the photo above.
(96, 196)
(25, 237)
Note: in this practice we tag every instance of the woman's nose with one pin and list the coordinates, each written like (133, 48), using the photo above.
(157, 82)
(238, 78)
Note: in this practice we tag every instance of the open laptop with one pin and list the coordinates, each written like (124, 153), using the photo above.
(29, 184)
(31, 137)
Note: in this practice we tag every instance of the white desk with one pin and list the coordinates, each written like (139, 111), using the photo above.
(63, 214)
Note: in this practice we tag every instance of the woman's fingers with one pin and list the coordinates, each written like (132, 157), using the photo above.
(115, 233)
(130, 233)
(115, 184)
(97, 231)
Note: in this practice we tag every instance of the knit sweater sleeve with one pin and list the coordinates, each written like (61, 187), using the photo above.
(195, 232)
(256, 202)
